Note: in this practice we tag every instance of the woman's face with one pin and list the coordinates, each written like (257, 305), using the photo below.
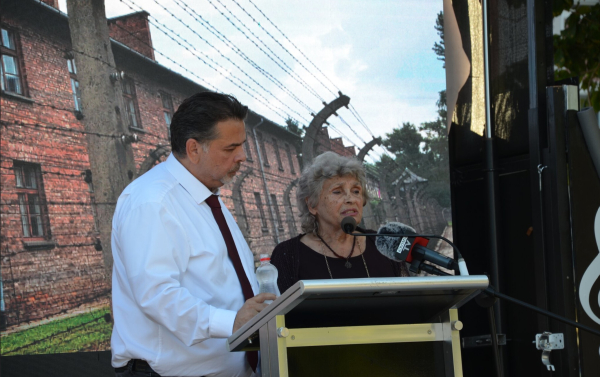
(340, 197)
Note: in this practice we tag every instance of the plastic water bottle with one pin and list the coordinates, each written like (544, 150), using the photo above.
(266, 274)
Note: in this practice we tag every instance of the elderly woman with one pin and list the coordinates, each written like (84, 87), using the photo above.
(330, 189)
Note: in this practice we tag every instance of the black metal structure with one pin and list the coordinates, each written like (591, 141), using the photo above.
(546, 191)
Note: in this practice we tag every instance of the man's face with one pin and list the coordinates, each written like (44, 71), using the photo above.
(217, 166)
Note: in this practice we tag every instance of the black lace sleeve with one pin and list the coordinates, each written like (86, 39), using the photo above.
(285, 257)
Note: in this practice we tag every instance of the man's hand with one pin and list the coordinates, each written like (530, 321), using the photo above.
(251, 308)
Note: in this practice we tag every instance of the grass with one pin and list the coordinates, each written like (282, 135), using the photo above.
(81, 333)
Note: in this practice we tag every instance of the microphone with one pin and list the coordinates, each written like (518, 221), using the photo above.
(394, 242)
(348, 224)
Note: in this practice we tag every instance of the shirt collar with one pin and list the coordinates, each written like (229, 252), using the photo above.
(191, 184)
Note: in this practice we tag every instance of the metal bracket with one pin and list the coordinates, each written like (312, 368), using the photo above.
(547, 342)
(129, 139)
(283, 332)
(117, 76)
(482, 341)
(540, 169)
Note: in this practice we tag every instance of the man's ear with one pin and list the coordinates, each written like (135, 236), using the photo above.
(193, 150)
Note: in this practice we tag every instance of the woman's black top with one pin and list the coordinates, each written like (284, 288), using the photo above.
(296, 261)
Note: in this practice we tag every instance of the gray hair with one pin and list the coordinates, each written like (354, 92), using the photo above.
(325, 166)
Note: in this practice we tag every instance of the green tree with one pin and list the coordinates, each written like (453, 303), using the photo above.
(436, 150)
(294, 127)
(424, 150)
(439, 47)
(577, 48)
(404, 141)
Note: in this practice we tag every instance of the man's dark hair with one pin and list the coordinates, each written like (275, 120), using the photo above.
(197, 117)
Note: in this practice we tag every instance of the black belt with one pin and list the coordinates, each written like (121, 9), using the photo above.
(136, 365)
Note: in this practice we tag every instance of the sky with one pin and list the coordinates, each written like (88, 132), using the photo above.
(377, 52)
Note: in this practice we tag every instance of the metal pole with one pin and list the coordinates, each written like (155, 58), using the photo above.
(491, 182)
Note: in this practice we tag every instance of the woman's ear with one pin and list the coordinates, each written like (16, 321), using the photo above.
(311, 209)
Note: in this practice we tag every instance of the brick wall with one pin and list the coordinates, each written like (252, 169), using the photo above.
(66, 271)
(52, 3)
(133, 31)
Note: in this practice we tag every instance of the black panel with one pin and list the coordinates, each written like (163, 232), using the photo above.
(517, 264)
(373, 309)
(585, 202)
(519, 57)
(509, 75)
(381, 360)
(88, 364)
(466, 146)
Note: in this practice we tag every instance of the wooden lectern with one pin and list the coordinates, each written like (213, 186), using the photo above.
(362, 327)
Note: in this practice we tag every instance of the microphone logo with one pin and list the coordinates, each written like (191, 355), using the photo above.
(404, 245)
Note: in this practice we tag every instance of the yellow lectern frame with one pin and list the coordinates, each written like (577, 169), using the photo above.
(269, 327)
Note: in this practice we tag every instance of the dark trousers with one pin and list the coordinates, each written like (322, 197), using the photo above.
(128, 373)
(136, 368)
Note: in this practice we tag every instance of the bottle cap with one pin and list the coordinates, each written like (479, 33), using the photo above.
(265, 258)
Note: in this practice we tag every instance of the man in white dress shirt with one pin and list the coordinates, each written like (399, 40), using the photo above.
(176, 293)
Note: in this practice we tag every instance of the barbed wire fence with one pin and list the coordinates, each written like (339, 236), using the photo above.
(76, 169)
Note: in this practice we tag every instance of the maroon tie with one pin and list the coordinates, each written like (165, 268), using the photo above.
(215, 206)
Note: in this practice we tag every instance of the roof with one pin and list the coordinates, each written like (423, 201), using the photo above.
(408, 177)
(128, 15)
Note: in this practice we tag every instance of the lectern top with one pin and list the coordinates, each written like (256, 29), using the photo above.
(341, 286)
(364, 302)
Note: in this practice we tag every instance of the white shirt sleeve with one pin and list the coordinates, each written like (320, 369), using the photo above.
(155, 252)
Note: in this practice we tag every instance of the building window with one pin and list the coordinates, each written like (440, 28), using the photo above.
(30, 194)
(261, 211)
(248, 148)
(167, 104)
(131, 103)
(277, 155)
(291, 161)
(74, 83)
(277, 214)
(10, 69)
(263, 150)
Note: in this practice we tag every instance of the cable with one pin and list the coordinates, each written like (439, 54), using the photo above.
(285, 49)
(58, 128)
(310, 90)
(228, 59)
(360, 120)
(352, 109)
(202, 60)
(352, 129)
(292, 43)
(199, 19)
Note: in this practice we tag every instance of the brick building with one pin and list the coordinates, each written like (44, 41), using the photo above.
(50, 256)
(325, 143)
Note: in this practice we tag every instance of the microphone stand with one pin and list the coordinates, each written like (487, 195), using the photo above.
(491, 292)
(400, 235)
(486, 298)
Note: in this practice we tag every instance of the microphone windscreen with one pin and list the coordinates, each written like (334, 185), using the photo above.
(387, 246)
(348, 224)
